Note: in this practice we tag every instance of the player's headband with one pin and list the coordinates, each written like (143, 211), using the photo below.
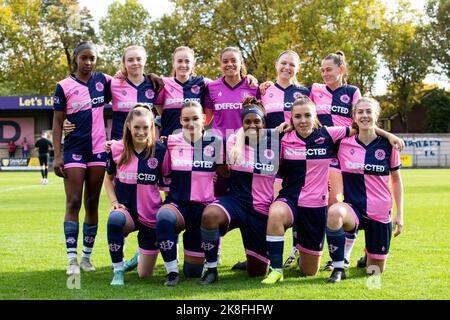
(253, 109)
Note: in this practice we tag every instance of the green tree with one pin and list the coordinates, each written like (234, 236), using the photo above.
(69, 25)
(124, 25)
(437, 102)
(407, 58)
(164, 36)
(30, 63)
(439, 33)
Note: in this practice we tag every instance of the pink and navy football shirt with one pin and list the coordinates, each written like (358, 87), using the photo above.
(137, 183)
(251, 181)
(226, 103)
(278, 103)
(334, 108)
(125, 95)
(83, 104)
(193, 167)
(304, 165)
(365, 172)
(174, 95)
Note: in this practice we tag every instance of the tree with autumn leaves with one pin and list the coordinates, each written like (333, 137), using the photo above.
(37, 39)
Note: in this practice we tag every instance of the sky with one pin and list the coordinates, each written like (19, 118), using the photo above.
(157, 8)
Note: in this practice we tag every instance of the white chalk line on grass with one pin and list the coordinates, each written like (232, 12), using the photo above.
(27, 187)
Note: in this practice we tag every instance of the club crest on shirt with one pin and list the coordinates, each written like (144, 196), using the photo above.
(152, 163)
(352, 151)
(124, 92)
(269, 154)
(77, 157)
(149, 94)
(208, 151)
(195, 89)
(321, 95)
(345, 98)
(220, 93)
(380, 154)
(334, 161)
(76, 92)
(99, 86)
(245, 94)
(270, 95)
(297, 95)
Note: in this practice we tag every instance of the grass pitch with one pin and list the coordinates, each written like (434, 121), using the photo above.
(33, 254)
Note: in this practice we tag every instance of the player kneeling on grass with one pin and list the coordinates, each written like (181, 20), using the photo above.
(305, 156)
(367, 160)
(195, 157)
(136, 167)
(251, 192)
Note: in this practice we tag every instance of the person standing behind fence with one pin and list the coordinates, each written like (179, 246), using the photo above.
(25, 148)
(43, 145)
(11, 149)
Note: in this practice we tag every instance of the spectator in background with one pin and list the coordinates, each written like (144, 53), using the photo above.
(11, 148)
(25, 148)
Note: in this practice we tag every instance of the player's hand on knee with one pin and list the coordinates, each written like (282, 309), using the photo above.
(162, 139)
(68, 126)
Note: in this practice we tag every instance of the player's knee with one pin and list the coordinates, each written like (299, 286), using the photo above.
(73, 204)
(116, 221)
(165, 219)
(335, 215)
(191, 270)
(211, 217)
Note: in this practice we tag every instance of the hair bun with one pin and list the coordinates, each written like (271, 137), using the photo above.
(250, 100)
(340, 53)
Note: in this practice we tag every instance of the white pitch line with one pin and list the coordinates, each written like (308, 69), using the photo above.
(25, 187)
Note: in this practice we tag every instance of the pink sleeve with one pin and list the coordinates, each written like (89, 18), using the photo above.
(164, 183)
(395, 162)
(108, 77)
(161, 96)
(356, 96)
(207, 81)
(338, 133)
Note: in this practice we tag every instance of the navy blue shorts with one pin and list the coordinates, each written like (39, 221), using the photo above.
(148, 244)
(377, 234)
(84, 160)
(192, 216)
(252, 224)
(311, 224)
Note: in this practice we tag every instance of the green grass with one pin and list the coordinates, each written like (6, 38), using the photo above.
(33, 258)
